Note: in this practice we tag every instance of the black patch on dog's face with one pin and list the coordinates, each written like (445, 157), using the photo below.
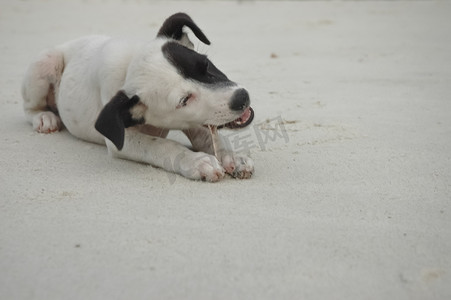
(192, 65)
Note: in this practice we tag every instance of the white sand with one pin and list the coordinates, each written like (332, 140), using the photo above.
(351, 195)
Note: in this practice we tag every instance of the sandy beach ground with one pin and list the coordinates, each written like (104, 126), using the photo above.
(351, 141)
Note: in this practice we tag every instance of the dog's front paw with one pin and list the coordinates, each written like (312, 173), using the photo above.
(46, 122)
(238, 165)
(204, 167)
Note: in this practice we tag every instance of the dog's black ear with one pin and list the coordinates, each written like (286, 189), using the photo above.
(115, 117)
(173, 28)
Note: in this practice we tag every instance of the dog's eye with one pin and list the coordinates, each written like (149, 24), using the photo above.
(184, 100)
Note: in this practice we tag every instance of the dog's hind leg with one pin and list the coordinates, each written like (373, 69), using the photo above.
(39, 88)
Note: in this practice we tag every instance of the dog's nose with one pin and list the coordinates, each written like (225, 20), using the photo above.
(240, 100)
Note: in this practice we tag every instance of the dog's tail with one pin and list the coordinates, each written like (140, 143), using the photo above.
(173, 28)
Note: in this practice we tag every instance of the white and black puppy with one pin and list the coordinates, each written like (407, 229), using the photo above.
(129, 94)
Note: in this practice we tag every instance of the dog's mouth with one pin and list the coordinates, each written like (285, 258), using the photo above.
(244, 120)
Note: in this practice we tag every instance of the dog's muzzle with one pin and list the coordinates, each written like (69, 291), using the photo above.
(240, 100)
(244, 120)
(240, 103)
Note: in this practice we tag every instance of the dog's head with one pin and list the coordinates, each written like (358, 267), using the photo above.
(169, 85)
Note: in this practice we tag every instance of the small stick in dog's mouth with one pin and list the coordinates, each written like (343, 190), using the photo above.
(214, 137)
(244, 120)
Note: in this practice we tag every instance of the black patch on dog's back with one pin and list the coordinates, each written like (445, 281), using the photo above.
(192, 65)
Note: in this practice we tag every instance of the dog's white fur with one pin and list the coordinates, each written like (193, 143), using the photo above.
(71, 83)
